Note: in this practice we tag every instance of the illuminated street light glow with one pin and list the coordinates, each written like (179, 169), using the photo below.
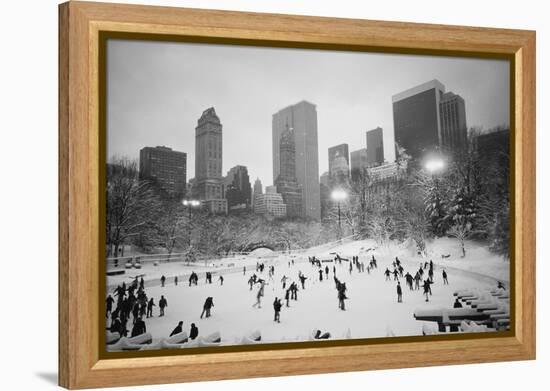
(339, 195)
(192, 203)
(435, 165)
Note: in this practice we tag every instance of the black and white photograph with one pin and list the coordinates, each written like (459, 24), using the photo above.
(263, 195)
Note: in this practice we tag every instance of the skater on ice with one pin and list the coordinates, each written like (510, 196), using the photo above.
(162, 305)
(178, 329)
(208, 304)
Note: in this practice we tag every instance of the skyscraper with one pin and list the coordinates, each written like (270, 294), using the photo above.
(454, 130)
(416, 121)
(359, 163)
(375, 147)
(286, 182)
(339, 171)
(208, 161)
(338, 151)
(257, 186)
(302, 117)
(165, 167)
(257, 190)
(237, 188)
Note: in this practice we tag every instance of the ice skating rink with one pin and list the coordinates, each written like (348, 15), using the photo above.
(372, 310)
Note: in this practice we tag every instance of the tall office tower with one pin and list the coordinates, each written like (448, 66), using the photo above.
(375, 147)
(302, 117)
(359, 163)
(256, 190)
(416, 122)
(324, 190)
(338, 151)
(339, 173)
(454, 130)
(257, 186)
(286, 182)
(324, 179)
(238, 191)
(208, 161)
(165, 167)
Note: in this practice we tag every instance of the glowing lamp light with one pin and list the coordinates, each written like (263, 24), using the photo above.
(339, 195)
(435, 165)
(192, 203)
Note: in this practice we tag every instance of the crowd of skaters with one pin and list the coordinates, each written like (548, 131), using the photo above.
(132, 301)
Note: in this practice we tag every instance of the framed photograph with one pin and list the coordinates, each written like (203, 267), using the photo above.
(247, 195)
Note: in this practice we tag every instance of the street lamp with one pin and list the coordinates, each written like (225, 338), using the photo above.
(434, 165)
(339, 196)
(190, 204)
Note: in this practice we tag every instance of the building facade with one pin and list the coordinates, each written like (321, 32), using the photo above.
(238, 191)
(270, 204)
(256, 190)
(375, 147)
(454, 130)
(416, 119)
(359, 163)
(208, 160)
(286, 182)
(338, 152)
(165, 167)
(302, 118)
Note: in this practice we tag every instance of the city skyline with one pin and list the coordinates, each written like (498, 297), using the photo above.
(181, 80)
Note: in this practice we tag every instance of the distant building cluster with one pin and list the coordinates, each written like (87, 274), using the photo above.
(426, 120)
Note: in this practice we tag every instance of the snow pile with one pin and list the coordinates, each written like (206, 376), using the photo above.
(472, 327)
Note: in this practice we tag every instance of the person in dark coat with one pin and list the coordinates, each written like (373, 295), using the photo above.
(194, 332)
(320, 274)
(139, 328)
(162, 280)
(135, 312)
(142, 309)
(176, 280)
(457, 304)
(387, 274)
(399, 293)
(445, 281)
(208, 304)
(220, 278)
(109, 305)
(427, 289)
(162, 305)
(123, 323)
(142, 283)
(302, 280)
(116, 326)
(150, 306)
(277, 308)
(287, 296)
(178, 329)
(341, 298)
(395, 275)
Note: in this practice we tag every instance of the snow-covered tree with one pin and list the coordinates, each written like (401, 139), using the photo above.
(131, 204)
(462, 230)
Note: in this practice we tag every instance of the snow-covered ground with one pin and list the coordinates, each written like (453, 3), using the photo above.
(372, 308)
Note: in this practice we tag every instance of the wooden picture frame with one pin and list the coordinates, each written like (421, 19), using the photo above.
(81, 25)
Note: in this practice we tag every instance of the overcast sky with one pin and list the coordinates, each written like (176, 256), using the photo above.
(157, 91)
